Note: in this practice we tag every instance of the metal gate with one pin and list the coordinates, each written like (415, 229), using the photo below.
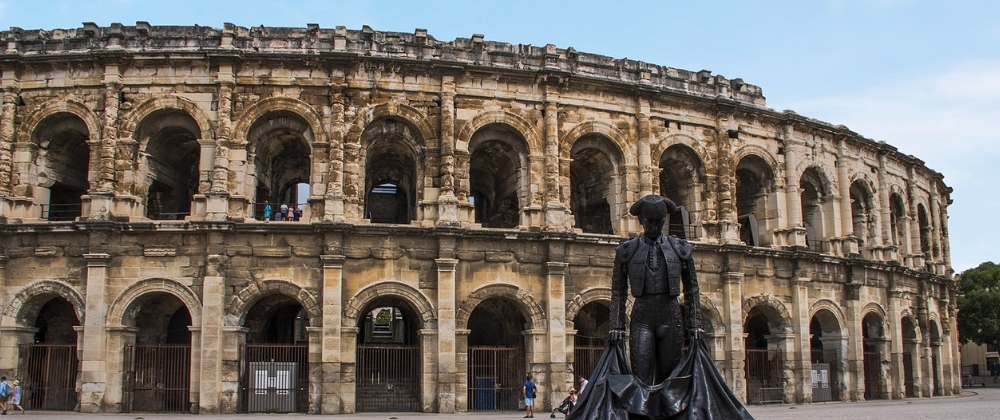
(274, 378)
(388, 378)
(48, 376)
(585, 360)
(908, 381)
(156, 378)
(496, 375)
(873, 376)
(764, 376)
(831, 357)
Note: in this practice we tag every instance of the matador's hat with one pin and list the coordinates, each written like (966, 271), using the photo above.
(653, 207)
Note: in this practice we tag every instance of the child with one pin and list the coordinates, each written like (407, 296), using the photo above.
(567, 404)
(15, 399)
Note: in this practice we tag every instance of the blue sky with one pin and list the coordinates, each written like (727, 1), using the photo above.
(922, 75)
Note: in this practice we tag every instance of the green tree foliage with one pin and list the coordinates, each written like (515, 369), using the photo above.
(979, 304)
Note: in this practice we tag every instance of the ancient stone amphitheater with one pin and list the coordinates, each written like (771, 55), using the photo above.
(460, 204)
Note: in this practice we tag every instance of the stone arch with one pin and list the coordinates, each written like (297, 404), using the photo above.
(530, 308)
(243, 300)
(420, 302)
(31, 122)
(619, 139)
(763, 154)
(834, 309)
(828, 185)
(594, 294)
(146, 108)
(776, 312)
(116, 311)
(20, 305)
(411, 115)
(525, 129)
(301, 109)
(697, 147)
(714, 315)
(876, 309)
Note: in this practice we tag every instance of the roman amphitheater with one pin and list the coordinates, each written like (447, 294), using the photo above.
(461, 202)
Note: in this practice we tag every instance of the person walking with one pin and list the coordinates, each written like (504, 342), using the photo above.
(267, 211)
(5, 392)
(529, 389)
(15, 400)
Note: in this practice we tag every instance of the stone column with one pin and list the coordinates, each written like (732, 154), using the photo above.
(217, 198)
(195, 371)
(855, 373)
(793, 201)
(462, 368)
(802, 347)
(213, 312)
(896, 368)
(560, 379)
(448, 373)
(11, 86)
(316, 374)
(735, 374)
(93, 372)
(333, 190)
(784, 342)
(915, 251)
(935, 256)
(118, 337)
(429, 369)
(99, 200)
(555, 212)
(233, 340)
(206, 165)
(447, 201)
(851, 241)
(645, 158)
(348, 378)
(333, 298)
(886, 214)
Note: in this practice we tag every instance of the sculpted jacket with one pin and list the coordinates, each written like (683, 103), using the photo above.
(629, 273)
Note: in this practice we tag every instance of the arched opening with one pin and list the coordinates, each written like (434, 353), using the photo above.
(864, 217)
(910, 349)
(497, 174)
(754, 185)
(48, 366)
(874, 343)
(497, 364)
(388, 357)
(594, 184)
(391, 171)
(279, 147)
(813, 194)
(172, 155)
(825, 345)
(925, 232)
(593, 325)
(63, 163)
(158, 361)
(764, 360)
(897, 221)
(275, 360)
(681, 173)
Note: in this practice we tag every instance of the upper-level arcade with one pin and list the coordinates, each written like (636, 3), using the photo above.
(387, 128)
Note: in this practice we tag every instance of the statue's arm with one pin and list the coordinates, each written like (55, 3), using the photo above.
(689, 278)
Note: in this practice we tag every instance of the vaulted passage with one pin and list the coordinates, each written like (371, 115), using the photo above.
(388, 357)
(171, 155)
(275, 371)
(681, 172)
(754, 185)
(63, 161)
(391, 171)
(157, 366)
(593, 325)
(497, 364)
(595, 183)
(496, 175)
(281, 154)
(48, 366)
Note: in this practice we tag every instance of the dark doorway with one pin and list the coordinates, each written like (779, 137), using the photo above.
(49, 366)
(388, 358)
(274, 377)
(497, 367)
(157, 367)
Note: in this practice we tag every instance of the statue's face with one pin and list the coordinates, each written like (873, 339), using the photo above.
(652, 227)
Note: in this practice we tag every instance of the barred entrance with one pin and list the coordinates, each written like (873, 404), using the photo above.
(48, 376)
(908, 382)
(156, 378)
(274, 378)
(585, 360)
(764, 376)
(496, 375)
(388, 378)
(873, 376)
(832, 358)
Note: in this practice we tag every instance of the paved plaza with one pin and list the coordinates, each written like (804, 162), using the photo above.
(977, 403)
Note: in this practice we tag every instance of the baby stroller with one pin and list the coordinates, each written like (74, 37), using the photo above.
(567, 404)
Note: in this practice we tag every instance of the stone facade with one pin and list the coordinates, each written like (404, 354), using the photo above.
(477, 188)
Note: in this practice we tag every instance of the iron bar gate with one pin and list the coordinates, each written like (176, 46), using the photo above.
(496, 375)
(388, 378)
(585, 360)
(274, 378)
(157, 378)
(764, 376)
(873, 376)
(908, 382)
(48, 373)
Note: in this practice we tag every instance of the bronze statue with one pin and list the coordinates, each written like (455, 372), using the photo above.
(655, 267)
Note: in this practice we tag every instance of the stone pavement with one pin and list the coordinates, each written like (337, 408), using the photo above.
(977, 403)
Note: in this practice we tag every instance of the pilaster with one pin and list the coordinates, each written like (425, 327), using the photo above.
(735, 374)
(448, 376)
(93, 364)
(559, 378)
(802, 351)
(212, 341)
(330, 336)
